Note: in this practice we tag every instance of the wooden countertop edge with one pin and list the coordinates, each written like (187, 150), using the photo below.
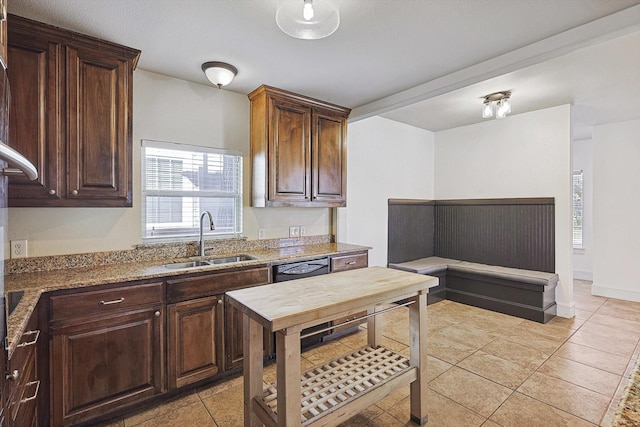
(317, 313)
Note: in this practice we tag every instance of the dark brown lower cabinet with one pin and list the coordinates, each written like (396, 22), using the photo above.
(106, 363)
(195, 340)
(24, 379)
(233, 338)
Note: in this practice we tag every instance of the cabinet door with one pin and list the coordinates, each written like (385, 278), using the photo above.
(195, 338)
(36, 128)
(105, 364)
(99, 128)
(289, 152)
(329, 169)
(233, 338)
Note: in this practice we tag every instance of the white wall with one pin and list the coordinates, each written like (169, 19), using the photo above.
(582, 156)
(616, 195)
(525, 155)
(386, 160)
(164, 109)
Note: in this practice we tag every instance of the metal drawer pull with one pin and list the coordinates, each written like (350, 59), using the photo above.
(37, 383)
(32, 342)
(115, 301)
(351, 262)
(13, 375)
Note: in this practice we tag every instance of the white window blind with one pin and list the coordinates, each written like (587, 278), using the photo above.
(180, 182)
(578, 208)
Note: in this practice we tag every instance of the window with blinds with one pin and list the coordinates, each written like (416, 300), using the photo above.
(578, 208)
(180, 182)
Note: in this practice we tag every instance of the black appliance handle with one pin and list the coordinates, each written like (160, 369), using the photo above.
(302, 269)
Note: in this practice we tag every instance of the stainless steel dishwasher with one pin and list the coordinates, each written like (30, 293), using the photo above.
(299, 270)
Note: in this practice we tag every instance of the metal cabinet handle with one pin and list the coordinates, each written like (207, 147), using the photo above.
(351, 263)
(115, 301)
(219, 301)
(74, 192)
(33, 341)
(37, 383)
(13, 375)
(157, 314)
(52, 192)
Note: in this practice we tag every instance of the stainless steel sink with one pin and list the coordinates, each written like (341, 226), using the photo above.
(187, 264)
(229, 259)
(209, 261)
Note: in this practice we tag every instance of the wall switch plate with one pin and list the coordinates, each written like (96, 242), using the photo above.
(303, 231)
(19, 248)
(261, 233)
(294, 231)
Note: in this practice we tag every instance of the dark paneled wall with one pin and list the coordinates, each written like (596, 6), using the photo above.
(410, 227)
(517, 233)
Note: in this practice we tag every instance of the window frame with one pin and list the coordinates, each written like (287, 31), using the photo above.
(172, 235)
(577, 209)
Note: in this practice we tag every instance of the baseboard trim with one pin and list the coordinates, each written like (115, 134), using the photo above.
(583, 275)
(566, 310)
(615, 293)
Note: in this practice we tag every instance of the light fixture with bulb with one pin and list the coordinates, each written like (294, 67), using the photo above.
(498, 102)
(219, 73)
(308, 19)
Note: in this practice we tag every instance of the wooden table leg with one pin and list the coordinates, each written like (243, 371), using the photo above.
(374, 329)
(252, 368)
(418, 357)
(288, 374)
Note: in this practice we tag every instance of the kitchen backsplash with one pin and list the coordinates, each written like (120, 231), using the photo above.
(154, 252)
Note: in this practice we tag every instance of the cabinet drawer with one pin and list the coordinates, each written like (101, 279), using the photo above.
(25, 347)
(349, 262)
(24, 386)
(212, 284)
(23, 402)
(99, 303)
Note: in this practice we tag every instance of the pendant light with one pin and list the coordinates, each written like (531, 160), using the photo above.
(308, 19)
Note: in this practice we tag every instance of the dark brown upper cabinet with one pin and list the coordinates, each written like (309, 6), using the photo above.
(298, 150)
(3, 31)
(71, 116)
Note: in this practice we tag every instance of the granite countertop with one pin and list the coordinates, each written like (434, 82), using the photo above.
(35, 283)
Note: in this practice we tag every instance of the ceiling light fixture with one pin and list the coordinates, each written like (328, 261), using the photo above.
(308, 19)
(498, 102)
(219, 73)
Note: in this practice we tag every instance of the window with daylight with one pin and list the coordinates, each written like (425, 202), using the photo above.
(578, 208)
(180, 182)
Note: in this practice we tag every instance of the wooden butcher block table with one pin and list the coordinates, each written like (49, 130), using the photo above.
(331, 393)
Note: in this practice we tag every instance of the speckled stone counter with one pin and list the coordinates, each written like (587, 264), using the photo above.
(85, 269)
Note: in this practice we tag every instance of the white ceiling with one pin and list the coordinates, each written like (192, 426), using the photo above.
(422, 62)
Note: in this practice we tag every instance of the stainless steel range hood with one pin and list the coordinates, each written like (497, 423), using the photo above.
(19, 165)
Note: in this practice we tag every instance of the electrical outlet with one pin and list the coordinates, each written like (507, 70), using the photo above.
(294, 231)
(19, 248)
(303, 231)
(261, 233)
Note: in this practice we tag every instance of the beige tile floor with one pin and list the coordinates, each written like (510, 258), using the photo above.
(485, 369)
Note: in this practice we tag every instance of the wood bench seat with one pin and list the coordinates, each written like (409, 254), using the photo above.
(523, 293)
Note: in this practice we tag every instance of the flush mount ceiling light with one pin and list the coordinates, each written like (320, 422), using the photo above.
(219, 73)
(308, 19)
(498, 102)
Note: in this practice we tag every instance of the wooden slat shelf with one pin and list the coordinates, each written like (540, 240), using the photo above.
(328, 387)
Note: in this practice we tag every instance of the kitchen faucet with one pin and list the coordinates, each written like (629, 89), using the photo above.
(211, 226)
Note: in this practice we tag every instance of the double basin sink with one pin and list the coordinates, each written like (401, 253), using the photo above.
(208, 262)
